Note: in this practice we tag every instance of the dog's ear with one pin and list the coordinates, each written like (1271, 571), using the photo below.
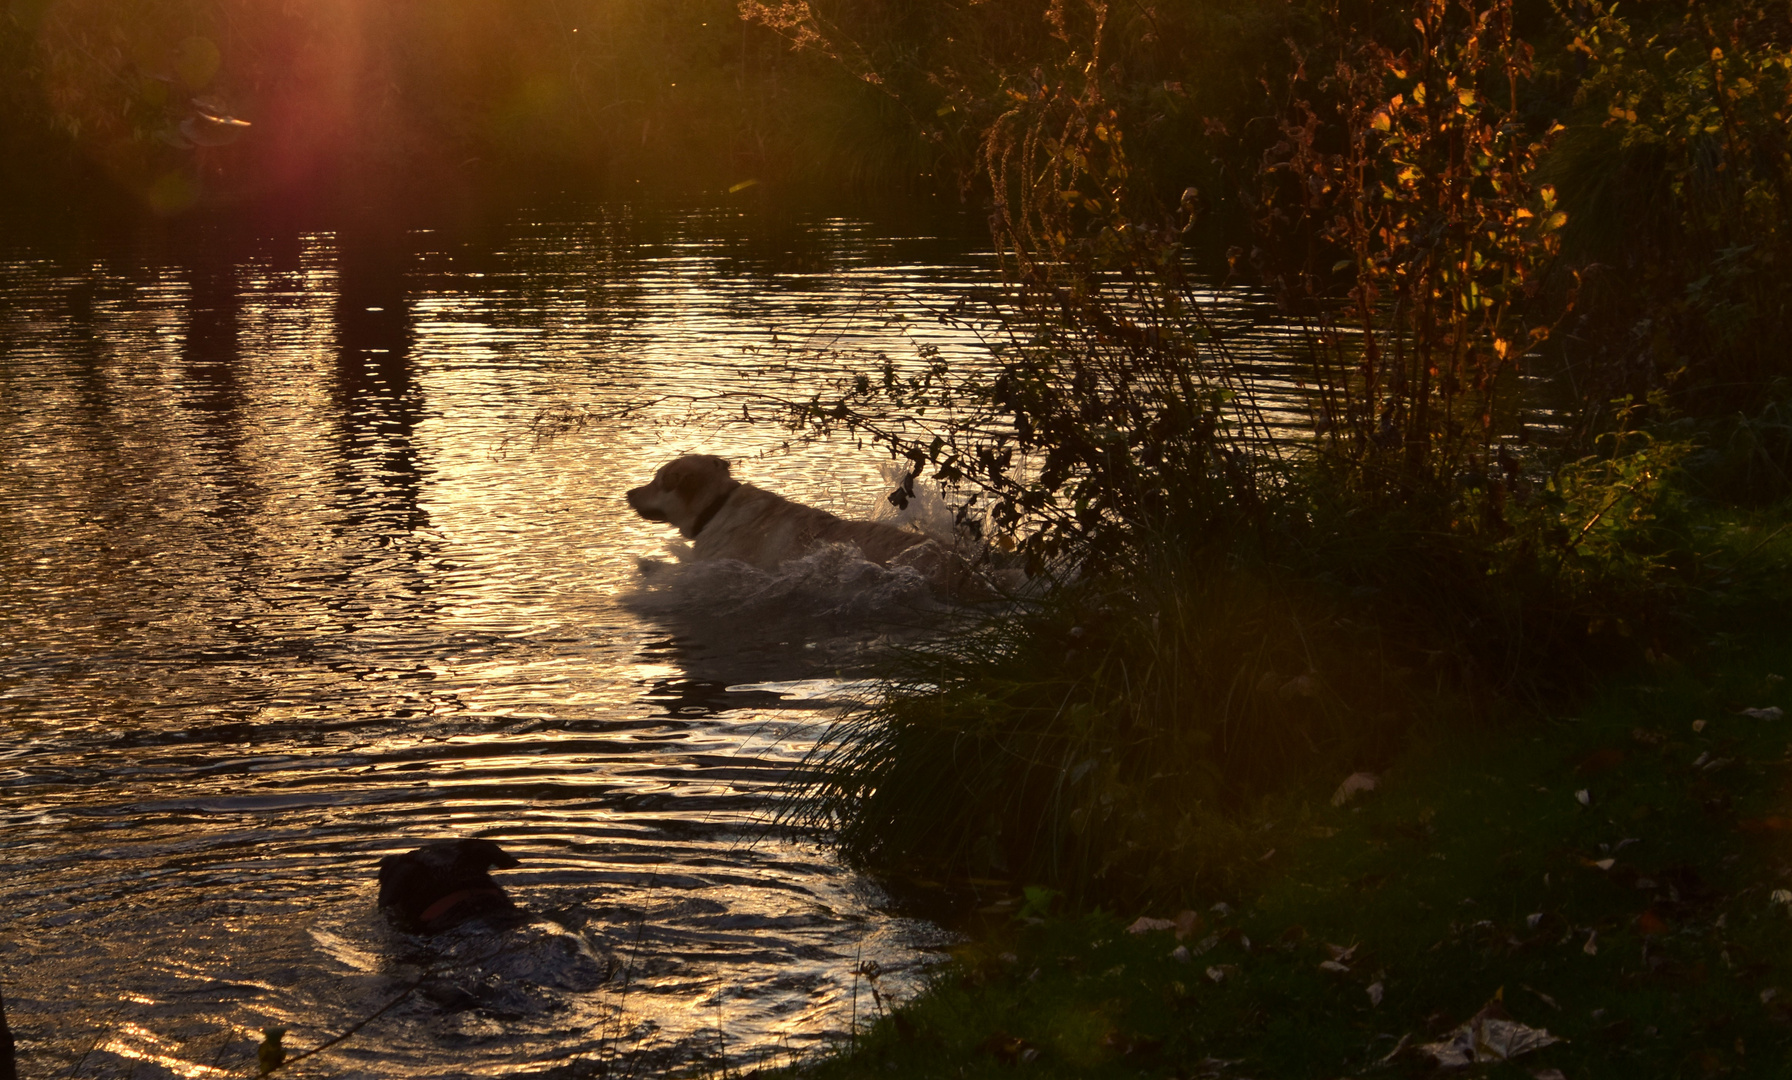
(687, 480)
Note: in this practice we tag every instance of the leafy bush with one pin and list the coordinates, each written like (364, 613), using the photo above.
(1680, 165)
(1413, 175)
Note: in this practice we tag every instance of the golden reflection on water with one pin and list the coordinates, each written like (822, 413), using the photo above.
(289, 585)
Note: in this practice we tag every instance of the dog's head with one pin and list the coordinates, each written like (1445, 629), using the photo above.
(444, 882)
(683, 491)
(439, 866)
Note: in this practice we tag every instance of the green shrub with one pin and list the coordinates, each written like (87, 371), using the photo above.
(1678, 170)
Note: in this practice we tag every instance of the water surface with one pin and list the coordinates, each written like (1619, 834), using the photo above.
(292, 577)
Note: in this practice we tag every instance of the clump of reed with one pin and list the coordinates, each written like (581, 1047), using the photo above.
(1106, 741)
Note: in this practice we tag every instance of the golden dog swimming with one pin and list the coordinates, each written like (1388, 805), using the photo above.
(726, 519)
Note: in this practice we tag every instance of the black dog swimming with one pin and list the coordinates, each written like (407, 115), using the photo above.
(443, 883)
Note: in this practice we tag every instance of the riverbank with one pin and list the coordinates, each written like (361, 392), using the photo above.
(1614, 873)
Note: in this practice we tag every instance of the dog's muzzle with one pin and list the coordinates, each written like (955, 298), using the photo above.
(637, 501)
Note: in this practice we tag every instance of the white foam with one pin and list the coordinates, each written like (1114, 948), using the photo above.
(831, 582)
(927, 508)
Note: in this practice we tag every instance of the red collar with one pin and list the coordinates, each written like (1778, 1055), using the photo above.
(454, 899)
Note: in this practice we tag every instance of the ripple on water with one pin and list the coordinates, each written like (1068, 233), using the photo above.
(288, 584)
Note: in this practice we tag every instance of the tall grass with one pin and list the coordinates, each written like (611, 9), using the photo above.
(1108, 744)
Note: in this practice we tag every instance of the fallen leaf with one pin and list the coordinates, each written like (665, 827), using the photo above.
(1603, 864)
(1770, 712)
(1533, 919)
(1180, 954)
(1374, 991)
(1353, 785)
(1591, 948)
(1219, 973)
(1333, 965)
(1547, 1074)
(1584, 797)
(1143, 925)
(1780, 896)
(1698, 725)
(1490, 1035)
(1339, 952)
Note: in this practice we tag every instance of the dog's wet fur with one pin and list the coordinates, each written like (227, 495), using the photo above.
(727, 519)
(444, 883)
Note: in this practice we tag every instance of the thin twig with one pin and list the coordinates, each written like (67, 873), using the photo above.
(357, 1025)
